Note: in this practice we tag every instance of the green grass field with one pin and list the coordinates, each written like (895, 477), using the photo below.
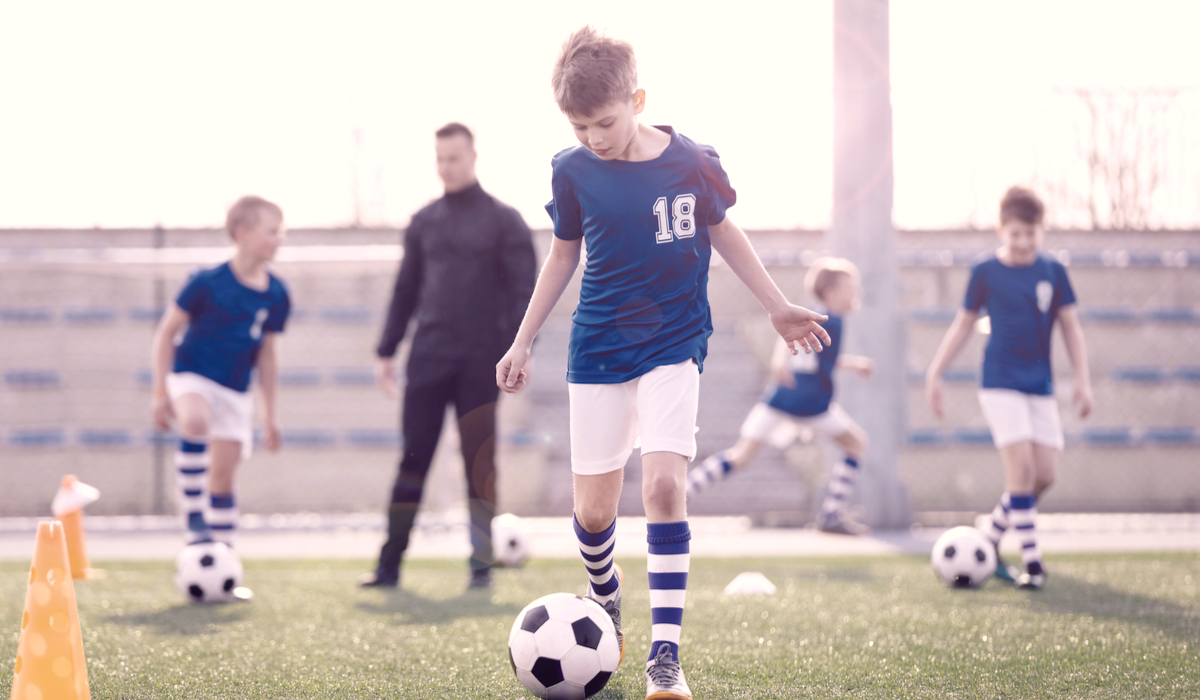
(1112, 626)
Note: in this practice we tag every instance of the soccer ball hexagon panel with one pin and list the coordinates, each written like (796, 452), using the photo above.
(207, 572)
(963, 557)
(563, 647)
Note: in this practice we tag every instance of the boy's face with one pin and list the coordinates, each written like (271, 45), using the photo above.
(1020, 240)
(611, 128)
(843, 296)
(455, 162)
(262, 239)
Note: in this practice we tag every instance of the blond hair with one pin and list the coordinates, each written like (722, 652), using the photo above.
(591, 71)
(247, 211)
(825, 272)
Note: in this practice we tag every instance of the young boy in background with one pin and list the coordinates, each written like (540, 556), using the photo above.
(1024, 292)
(650, 205)
(801, 397)
(233, 313)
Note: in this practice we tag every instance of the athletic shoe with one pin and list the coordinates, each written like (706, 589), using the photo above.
(841, 524)
(1031, 582)
(1005, 572)
(376, 579)
(613, 608)
(664, 678)
(480, 579)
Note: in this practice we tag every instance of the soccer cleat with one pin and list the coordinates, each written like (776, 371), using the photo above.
(375, 579)
(840, 524)
(613, 608)
(1031, 582)
(1005, 572)
(664, 678)
(480, 579)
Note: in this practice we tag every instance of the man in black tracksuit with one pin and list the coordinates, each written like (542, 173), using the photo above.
(466, 277)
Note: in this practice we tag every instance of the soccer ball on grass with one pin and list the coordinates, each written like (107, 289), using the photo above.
(563, 647)
(964, 557)
(208, 572)
(510, 541)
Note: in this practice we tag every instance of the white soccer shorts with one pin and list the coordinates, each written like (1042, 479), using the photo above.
(607, 419)
(1013, 416)
(232, 411)
(779, 428)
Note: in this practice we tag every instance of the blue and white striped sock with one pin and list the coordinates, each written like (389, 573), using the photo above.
(667, 563)
(597, 551)
(842, 478)
(1000, 519)
(1024, 517)
(708, 472)
(222, 517)
(191, 465)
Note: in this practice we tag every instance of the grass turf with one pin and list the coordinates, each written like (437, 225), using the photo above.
(1111, 626)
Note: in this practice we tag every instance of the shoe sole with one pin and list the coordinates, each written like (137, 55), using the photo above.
(621, 587)
(668, 695)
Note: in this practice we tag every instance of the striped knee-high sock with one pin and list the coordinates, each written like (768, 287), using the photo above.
(668, 561)
(222, 517)
(842, 478)
(191, 465)
(1024, 515)
(1000, 519)
(597, 551)
(708, 472)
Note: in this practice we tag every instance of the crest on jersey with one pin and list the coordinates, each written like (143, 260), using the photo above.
(1045, 294)
(804, 363)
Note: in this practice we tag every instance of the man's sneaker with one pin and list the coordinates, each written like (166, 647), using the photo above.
(1031, 582)
(664, 677)
(376, 579)
(480, 579)
(841, 524)
(613, 608)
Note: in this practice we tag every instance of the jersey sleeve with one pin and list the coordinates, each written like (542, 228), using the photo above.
(564, 209)
(1066, 294)
(280, 310)
(721, 194)
(977, 290)
(193, 295)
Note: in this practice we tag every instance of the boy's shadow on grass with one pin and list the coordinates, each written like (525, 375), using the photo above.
(417, 609)
(1073, 596)
(185, 618)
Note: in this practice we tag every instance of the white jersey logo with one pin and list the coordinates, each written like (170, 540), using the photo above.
(804, 363)
(1045, 293)
(259, 319)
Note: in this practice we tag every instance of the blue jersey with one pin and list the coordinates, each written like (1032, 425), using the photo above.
(227, 323)
(643, 302)
(1023, 303)
(813, 374)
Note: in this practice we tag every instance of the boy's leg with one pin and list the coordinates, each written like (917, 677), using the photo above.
(222, 515)
(595, 524)
(668, 561)
(1019, 467)
(193, 419)
(998, 524)
(720, 465)
(844, 443)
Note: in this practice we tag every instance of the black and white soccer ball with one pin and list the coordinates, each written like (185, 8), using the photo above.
(964, 557)
(563, 647)
(510, 540)
(208, 572)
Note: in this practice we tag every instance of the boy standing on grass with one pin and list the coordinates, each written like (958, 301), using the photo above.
(650, 204)
(801, 396)
(1024, 292)
(233, 313)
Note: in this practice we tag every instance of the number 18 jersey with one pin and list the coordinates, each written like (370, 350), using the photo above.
(643, 302)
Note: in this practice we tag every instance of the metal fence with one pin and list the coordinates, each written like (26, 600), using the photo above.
(77, 310)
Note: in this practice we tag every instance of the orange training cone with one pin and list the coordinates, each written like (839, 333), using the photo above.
(50, 664)
(68, 505)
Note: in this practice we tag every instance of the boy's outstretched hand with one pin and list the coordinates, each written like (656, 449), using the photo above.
(799, 327)
(510, 370)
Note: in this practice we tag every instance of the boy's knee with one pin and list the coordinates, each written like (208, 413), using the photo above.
(193, 426)
(593, 518)
(663, 489)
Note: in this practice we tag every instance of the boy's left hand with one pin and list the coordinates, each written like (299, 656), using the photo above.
(270, 436)
(798, 324)
(1081, 396)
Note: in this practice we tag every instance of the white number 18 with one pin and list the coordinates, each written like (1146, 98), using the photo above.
(683, 210)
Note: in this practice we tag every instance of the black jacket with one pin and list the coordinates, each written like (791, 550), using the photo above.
(467, 275)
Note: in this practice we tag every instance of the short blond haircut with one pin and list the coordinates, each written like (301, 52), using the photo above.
(247, 211)
(825, 272)
(591, 71)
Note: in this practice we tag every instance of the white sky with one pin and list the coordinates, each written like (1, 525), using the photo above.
(135, 113)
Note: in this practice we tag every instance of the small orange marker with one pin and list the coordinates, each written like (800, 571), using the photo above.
(50, 663)
(67, 506)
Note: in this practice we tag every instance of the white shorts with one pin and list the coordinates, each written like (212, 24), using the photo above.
(780, 428)
(232, 411)
(1014, 416)
(607, 419)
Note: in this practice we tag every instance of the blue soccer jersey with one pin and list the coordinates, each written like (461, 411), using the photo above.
(813, 374)
(1023, 303)
(227, 323)
(644, 297)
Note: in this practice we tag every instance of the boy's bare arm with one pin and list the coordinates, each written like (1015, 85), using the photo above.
(560, 266)
(268, 380)
(952, 342)
(856, 363)
(793, 323)
(162, 352)
(1077, 351)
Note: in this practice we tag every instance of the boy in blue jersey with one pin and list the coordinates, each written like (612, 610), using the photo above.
(1024, 293)
(801, 397)
(650, 205)
(233, 314)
